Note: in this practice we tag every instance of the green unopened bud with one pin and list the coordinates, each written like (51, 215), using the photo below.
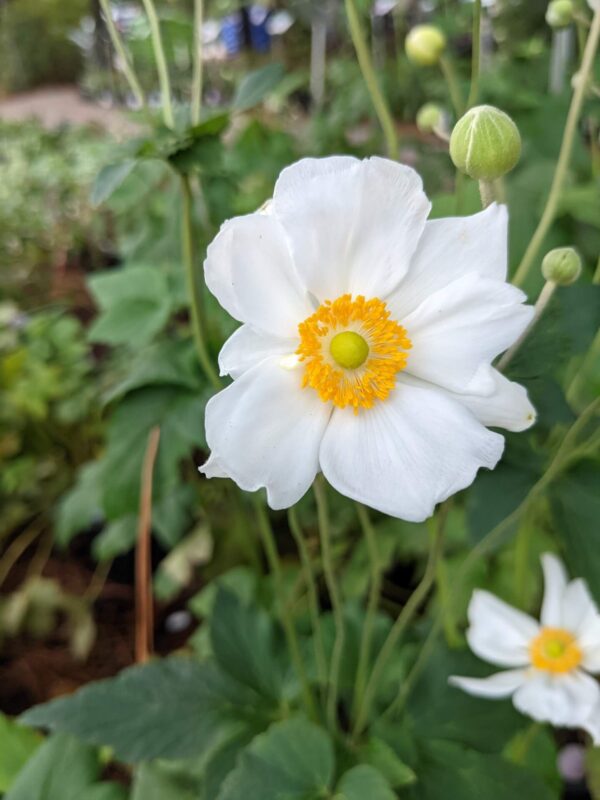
(424, 45)
(559, 13)
(485, 143)
(430, 117)
(562, 266)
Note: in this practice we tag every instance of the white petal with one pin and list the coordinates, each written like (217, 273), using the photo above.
(499, 633)
(563, 700)
(449, 249)
(408, 452)
(265, 430)
(555, 583)
(250, 271)
(579, 610)
(592, 725)
(353, 225)
(247, 347)
(459, 330)
(508, 406)
(502, 684)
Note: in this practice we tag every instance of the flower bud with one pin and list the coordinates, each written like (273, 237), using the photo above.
(485, 143)
(430, 117)
(559, 13)
(424, 45)
(562, 266)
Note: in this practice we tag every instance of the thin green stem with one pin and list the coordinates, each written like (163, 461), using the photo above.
(121, 50)
(197, 75)
(541, 303)
(400, 625)
(372, 604)
(161, 63)
(476, 55)
(268, 539)
(313, 595)
(453, 88)
(368, 72)
(560, 461)
(564, 157)
(336, 603)
(194, 285)
(487, 193)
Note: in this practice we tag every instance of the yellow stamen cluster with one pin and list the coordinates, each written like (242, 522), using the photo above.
(555, 650)
(375, 375)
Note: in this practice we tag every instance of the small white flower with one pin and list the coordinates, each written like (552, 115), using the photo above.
(367, 342)
(549, 661)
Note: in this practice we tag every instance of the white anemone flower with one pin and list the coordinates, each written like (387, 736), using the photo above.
(367, 342)
(550, 662)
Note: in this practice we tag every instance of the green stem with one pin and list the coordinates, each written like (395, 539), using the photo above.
(313, 596)
(564, 155)
(266, 532)
(194, 286)
(198, 64)
(476, 55)
(452, 83)
(161, 63)
(372, 604)
(490, 540)
(541, 303)
(404, 619)
(368, 72)
(487, 193)
(121, 51)
(336, 603)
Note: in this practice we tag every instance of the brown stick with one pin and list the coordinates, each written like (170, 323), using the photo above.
(144, 610)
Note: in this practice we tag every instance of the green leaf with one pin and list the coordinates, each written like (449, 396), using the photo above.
(293, 760)
(380, 755)
(174, 708)
(363, 782)
(592, 771)
(131, 322)
(109, 179)
(449, 771)
(105, 791)
(256, 85)
(575, 501)
(157, 782)
(17, 745)
(243, 639)
(118, 537)
(81, 506)
(179, 413)
(176, 570)
(61, 769)
(133, 282)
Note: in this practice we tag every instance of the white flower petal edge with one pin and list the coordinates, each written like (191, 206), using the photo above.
(563, 700)
(249, 269)
(407, 454)
(264, 432)
(555, 583)
(501, 684)
(461, 328)
(451, 248)
(352, 225)
(247, 347)
(499, 633)
(592, 725)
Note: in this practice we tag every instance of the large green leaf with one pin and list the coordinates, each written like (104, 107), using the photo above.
(450, 771)
(110, 178)
(575, 500)
(293, 760)
(380, 755)
(17, 745)
(363, 782)
(157, 782)
(244, 642)
(174, 708)
(81, 506)
(62, 769)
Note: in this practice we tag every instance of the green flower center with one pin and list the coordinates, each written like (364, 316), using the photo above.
(349, 349)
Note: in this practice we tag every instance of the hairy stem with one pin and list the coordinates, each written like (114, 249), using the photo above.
(121, 50)
(197, 75)
(453, 88)
(476, 55)
(161, 63)
(564, 157)
(541, 303)
(368, 72)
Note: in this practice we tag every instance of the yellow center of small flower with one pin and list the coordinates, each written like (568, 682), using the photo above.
(352, 351)
(555, 650)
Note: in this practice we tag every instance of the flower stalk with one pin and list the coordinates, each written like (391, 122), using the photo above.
(541, 304)
(121, 51)
(476, 55)
(161, 63)
(197, 75)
